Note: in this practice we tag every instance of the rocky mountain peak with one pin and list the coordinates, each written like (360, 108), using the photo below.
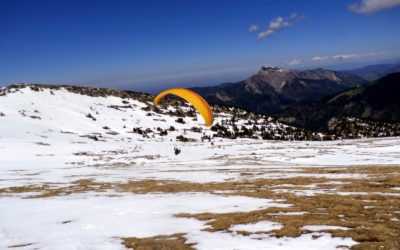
(267, 76)
(271, 69)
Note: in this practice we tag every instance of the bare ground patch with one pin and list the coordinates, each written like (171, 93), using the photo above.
(163, 242)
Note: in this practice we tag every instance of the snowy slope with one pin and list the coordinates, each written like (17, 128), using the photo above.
(51, 128)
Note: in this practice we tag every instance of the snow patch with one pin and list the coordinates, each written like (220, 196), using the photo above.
(227, 241)
(323, 228)
(97, 222)
(261, 226)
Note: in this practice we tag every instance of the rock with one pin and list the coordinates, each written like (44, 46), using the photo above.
(112, 133)
(182, 138)
(94, 137)
(180, 120)
(42, 144)
(91, 116)
(196, 129)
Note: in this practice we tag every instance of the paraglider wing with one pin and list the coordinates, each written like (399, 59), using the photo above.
(192, 97)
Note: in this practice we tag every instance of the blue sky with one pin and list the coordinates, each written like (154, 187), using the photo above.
(152, 44)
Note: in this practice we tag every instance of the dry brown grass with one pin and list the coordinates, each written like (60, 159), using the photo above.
(169, 242)
(372, 219)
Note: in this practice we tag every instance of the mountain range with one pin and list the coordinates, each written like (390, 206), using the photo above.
(272, 89)
(311, 98)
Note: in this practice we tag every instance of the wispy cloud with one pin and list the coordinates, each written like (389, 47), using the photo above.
(275, 25)
(320, 58)
(371, 6)
(253, 28)
(349, 56)
(295, 62)
(346, 56)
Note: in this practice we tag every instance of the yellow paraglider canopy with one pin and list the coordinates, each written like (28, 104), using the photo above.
(192, 97)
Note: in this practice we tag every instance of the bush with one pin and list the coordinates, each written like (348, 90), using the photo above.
(177, 151)
(180, 120)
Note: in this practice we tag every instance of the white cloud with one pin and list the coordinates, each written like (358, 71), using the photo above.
(371, 6)
(279, 23)
(320, 58)
(253, 28)
(346, 56)
(265, 34)
(295, 62)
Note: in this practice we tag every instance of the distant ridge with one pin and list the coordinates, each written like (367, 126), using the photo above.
(377, 101)
(374, 72)
(272, 89)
